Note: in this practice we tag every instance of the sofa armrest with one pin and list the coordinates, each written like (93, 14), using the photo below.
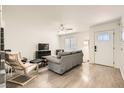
(53, 59)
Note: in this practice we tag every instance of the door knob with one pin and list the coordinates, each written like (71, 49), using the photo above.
(95, 48)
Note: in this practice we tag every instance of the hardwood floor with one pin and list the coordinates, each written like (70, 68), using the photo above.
(84, 76)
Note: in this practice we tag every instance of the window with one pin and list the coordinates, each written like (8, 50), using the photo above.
(67, 43)
(70, 43)
(103, 37)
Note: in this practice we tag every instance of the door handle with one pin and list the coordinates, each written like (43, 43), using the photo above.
(95, 48)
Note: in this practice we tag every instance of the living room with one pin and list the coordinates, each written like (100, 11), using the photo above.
(40, 27)
(69, 29)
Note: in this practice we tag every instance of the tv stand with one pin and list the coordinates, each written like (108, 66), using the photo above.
(41, 53)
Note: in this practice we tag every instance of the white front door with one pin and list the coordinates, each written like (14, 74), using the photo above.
(104, 48)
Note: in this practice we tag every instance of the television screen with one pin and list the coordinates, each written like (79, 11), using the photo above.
(43, 46)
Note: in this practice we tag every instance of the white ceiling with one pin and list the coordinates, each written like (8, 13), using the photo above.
(79, 16)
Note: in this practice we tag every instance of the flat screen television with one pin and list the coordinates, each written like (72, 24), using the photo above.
(43, 46)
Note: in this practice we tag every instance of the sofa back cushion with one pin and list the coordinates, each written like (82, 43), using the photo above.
(63, 54)
(78, 51)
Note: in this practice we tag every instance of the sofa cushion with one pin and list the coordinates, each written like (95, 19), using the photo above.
(53, 59)
(59, 54)
(63, 54)
(78, 51)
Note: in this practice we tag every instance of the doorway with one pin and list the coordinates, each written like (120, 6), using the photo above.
(103, 49)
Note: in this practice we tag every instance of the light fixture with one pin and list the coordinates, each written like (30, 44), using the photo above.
(63, 28)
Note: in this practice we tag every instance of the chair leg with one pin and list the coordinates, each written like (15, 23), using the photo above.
(25, 79)
(11, 71)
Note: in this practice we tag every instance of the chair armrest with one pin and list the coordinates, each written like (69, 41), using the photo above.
(53, 59)
(28, 65)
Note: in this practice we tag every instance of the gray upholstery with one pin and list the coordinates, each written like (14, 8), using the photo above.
(63, 54)
(65, 61)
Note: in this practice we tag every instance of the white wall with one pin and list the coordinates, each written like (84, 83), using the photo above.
(25, 27)
(110, 25)
(0, 15)
(80, 38)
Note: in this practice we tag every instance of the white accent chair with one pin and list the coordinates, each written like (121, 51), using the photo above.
(14, 60)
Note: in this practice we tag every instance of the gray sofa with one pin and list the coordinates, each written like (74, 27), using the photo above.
(64, 61)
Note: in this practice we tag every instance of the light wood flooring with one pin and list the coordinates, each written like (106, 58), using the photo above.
(84, 76)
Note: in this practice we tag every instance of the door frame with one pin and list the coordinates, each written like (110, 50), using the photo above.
(113, 45)
(88, 60)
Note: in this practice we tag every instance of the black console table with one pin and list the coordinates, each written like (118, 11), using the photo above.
(41, 53)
